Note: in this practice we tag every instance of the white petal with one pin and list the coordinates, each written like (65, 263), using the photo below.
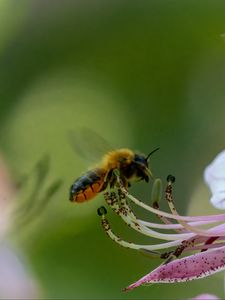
(218, 200)
(217, 186)
(216, 169)
(206, 297)
(214, 176)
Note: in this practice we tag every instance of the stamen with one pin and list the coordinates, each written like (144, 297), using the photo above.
(191, 238)
(188, 245)
(169, 198)
(105, 224)
(174, 226)
(212, 218)
(111, 199)
(205, 247)
(156, 197)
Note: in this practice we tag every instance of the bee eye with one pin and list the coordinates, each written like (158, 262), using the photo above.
(140, 160)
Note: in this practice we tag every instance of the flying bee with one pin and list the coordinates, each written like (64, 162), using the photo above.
(132, 166)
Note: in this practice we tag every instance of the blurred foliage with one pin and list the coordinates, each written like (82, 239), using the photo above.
(35, 203)
(140, 73)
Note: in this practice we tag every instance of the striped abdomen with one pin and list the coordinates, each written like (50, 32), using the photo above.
(88, 186)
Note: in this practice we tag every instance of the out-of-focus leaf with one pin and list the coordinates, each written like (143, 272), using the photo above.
(40, 203)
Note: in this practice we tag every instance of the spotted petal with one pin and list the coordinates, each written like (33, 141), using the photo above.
(188, 268)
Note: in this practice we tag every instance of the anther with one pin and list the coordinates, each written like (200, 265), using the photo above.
(121, 194)
(102, 211)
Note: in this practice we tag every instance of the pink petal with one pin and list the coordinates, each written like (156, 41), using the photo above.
(188, 268)
(206, 297)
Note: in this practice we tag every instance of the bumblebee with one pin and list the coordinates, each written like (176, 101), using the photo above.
(131, 166)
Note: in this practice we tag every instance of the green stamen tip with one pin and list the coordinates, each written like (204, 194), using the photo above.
(170, 178)
(156, 191)
(102, 211)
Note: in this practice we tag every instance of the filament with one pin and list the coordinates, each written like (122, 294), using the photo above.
(213, 218)
(169, 199)
(122, 212)
(118, 240)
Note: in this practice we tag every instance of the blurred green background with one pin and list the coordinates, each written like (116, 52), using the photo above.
(142, 74)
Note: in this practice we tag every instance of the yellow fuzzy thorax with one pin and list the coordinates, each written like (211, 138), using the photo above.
(113, 159)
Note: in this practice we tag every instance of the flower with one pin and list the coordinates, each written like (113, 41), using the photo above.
(208, 245)
(215, 178)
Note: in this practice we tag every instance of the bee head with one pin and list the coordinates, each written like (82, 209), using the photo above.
(142, 165)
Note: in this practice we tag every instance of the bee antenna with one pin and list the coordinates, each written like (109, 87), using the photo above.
(152, 153)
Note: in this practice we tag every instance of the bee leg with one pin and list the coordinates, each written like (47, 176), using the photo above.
(104, 186)
(107, 179)
(124, 182)
(113, 182)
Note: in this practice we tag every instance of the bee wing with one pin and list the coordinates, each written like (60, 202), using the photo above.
(88, 144)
